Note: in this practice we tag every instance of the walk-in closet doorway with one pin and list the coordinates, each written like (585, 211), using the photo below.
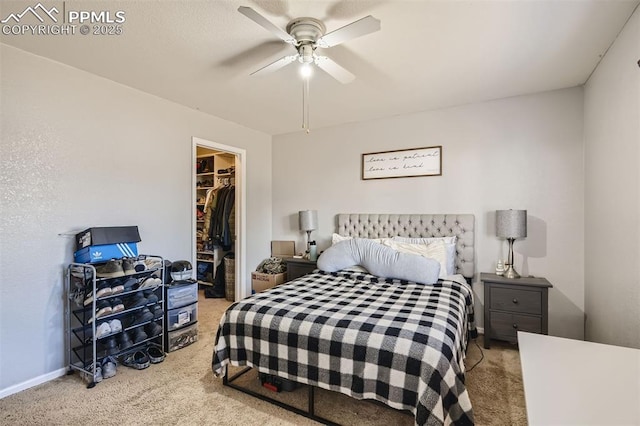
(219, 173)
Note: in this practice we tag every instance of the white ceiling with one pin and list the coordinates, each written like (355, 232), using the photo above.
(429, 54)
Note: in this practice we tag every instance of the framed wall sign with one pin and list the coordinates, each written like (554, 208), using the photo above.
(412, 162)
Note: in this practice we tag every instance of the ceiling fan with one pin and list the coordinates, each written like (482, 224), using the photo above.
(308, 34)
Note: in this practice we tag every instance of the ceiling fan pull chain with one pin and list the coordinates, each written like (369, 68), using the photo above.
(305, 105)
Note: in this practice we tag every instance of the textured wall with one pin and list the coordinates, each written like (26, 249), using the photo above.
(78, 151)
(612, 188)
(522, 153)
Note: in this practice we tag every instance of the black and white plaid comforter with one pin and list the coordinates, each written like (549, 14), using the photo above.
(395, 341)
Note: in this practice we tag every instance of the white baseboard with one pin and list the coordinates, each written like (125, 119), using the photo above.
(32, 382)
(480, 330)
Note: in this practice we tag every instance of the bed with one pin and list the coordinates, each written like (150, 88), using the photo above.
(395, 341)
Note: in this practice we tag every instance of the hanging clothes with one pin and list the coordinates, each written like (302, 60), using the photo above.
(218, 221)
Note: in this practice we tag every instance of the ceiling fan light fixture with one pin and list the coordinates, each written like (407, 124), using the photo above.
(306, 70)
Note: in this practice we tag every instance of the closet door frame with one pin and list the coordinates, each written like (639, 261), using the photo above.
(242, 291)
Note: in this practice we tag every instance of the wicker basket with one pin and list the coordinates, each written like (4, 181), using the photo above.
(230, 279)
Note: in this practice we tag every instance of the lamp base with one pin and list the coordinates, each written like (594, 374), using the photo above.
(511, 273)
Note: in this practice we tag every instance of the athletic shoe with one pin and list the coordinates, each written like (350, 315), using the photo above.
(83, 272)
(157, 311)
(111, 345)
(103, 308)
(130, 284)
(94, 375)
(136, 301)
(102, 290)
(138, 360)
(153, 263)
(128, 266)
(150, 296)
(116, 305)
(125, 341)
(108, 367)
(117, 287)
(103, 329)
(115, 325)
(150, 283)
(111, 269)
(139, 265)
(154, 329)
(155, 355)
(139, 335)
(143, 316)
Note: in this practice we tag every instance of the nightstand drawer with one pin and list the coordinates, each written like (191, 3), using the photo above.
(299, 267)
(505, 326)
(516, 300)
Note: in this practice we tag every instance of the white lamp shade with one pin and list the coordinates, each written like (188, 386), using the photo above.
(511, 223)
(308, 220)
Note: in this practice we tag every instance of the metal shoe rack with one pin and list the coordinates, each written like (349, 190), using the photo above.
(84, 351)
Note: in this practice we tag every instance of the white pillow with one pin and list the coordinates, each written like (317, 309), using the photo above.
(379, 260)
(434, 250)
(450, 243)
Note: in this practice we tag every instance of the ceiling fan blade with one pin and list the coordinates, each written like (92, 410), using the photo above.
(330, 66)
(274, 66)
(266, 24)
(363, 26)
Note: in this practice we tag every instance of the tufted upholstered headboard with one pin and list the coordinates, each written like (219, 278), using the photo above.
(365, 225)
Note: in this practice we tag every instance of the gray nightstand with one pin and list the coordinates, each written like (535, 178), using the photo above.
(512, 305)
(299, 267)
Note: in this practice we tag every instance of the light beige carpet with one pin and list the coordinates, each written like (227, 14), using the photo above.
(182, 391)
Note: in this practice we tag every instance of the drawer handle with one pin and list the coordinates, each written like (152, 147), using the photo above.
(515, 326)
(515, 301)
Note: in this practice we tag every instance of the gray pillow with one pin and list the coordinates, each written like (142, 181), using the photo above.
(379, 260)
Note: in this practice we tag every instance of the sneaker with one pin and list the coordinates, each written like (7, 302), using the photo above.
(150, 282)
(102, 290)
(103, 329)
(130, 284)
(153, 263)
(82, 272)
(139, 335)
(108, 367)
(125, 341)
(117, 305)
(143, 316)
(103, 308)
(117, 287)
(155, 355)
(111, 269)
(111, 345)
(115, 325)
(77, 296)
(138, 360)
(128, 266)
(136, 301)
(157, 311)
(154, 329)
(150, 296)
(95, 375)
(139, 266)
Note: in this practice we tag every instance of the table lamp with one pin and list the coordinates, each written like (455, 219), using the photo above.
(308, 223)
(511, 224)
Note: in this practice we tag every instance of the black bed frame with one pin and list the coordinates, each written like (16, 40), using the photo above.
(310, 413)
